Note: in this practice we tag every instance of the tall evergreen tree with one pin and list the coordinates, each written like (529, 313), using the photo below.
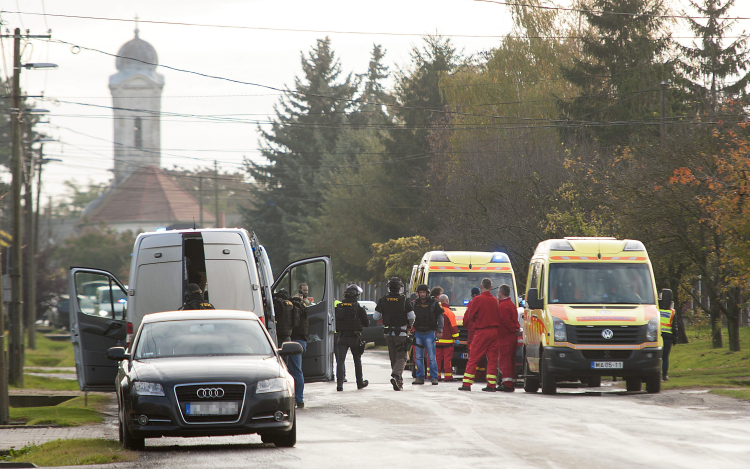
(309, 119)
(620, 70)
(709, 63)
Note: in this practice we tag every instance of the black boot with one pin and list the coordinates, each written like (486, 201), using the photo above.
(363, 384)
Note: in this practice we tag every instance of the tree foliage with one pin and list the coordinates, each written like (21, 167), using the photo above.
(396, 257)
(98, 247)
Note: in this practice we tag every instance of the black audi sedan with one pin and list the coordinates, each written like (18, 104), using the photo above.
(204, 373)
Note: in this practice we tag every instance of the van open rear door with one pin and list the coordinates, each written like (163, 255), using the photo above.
(316, 273)
(98, 312)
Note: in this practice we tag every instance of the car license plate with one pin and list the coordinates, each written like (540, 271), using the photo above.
(212, 408)
(465, 355)
(606, 365)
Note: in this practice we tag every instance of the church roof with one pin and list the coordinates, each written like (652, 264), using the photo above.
(134, 53)
(147, 195)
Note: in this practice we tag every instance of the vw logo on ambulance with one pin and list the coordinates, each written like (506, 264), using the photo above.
(204, 393)
(607, 333)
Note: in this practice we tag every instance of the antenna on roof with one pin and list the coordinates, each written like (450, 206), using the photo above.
(194, 223)
(469, 261)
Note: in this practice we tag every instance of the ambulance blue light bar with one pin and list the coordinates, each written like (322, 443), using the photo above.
(500, 257)
(632, 245)
(560, 245)
(439, 256)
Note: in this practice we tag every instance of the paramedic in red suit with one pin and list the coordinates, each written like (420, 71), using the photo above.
(484, 313)
(507, 338)
(482, 364)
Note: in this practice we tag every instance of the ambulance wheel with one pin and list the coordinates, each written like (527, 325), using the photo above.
(548, 383)
(653, 384)
(633, 384)
(530, 383)
(594, 382)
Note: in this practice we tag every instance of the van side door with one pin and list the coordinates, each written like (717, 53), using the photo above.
(316, 272)
(98, 316)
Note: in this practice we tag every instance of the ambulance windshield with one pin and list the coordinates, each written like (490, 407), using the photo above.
(600, 283)
(457, 285)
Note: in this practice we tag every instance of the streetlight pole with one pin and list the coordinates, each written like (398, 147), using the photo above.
(29, 300)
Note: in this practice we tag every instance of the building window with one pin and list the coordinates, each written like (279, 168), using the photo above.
(138, 133)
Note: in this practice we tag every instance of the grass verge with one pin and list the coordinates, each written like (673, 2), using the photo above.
(49, 353)
(67, 414)
(48, 384)
(697, 365)
(39, 370)
(74, 453)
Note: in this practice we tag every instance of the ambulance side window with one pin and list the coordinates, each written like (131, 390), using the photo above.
(541, 282)
(533, 276)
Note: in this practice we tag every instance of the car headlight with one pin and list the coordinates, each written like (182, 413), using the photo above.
(271, 385)
(561, 335)
(652, 329)
(143, 388)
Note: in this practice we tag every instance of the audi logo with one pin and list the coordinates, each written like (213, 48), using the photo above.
(204, 393)
(607, 333)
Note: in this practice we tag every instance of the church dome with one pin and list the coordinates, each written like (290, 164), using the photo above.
(139, 50)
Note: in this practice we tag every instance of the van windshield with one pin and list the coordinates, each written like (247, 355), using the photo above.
(458, 285)
(600, 283)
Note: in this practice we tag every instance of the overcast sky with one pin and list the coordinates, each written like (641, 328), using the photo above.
(258, 56)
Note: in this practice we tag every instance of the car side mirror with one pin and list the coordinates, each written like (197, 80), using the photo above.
(666, 299)
(532, 299)
(117, 353)
(290, 348)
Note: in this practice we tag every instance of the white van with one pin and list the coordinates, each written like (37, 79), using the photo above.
(232, 268)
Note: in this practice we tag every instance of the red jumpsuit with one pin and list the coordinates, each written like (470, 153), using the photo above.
(508, 340)
(480, 373)
(484, 314)
(444, 345)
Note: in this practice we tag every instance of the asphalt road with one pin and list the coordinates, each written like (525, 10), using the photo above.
(438, 426)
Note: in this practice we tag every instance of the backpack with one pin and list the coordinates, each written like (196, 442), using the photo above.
(300, 325)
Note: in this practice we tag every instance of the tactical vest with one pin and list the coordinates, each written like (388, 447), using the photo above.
(301, 325)
(347, 319)
(426, 320)
(197, 302)
(394, 311)
(283, 309)
(667, 316)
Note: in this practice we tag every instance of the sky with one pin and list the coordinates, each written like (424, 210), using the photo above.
(264, 57)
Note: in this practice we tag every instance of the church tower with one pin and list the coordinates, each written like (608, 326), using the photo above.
(136, 98)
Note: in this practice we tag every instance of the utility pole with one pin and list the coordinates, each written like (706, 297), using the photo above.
(200, 197)
(15, 349)
(663, 85)
(216, 190)
(29, 292)
(4, 404)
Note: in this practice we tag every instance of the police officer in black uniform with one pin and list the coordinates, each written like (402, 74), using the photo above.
(194, 298)
(284, 309)
(398, 316)
(351, 319)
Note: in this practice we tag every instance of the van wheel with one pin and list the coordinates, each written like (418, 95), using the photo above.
(530, 383)
(633, 384)
(653, 384)
(548, 383)
(594, 382)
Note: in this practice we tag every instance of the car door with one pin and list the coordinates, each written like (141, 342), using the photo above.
(316, 272)
(95, 327)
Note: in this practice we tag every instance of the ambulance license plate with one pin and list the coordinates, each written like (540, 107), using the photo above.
(606, 365)
(465, 355)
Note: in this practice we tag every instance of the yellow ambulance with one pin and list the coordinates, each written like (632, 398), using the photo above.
(457, 272)
(591, 311)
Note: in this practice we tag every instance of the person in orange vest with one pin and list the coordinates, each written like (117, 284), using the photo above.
(484, 312)
(507, 338)
(444, 346)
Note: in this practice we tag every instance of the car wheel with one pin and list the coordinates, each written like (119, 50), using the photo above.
(129, 441)
(548, 383)
(653, 384)
(287, 440)
(594, 382)
(633, 384)
(530, 383)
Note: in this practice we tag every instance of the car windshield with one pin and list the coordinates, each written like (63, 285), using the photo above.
(202, 337)
(600, 284)
(458, 285)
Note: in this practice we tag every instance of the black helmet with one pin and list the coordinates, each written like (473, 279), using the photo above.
(423, 287)
(395, 284)
(352, 291)
(193, 288)
(282, 293)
